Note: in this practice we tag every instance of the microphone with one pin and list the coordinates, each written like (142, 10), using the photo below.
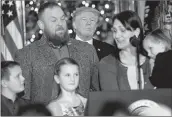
(134, 41)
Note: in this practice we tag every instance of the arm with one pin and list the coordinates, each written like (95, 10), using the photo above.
(55, 109)
(23, 58)
(94, 73)
(161, 75)
(107, 76)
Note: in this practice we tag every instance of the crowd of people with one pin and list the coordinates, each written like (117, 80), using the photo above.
(59, 72)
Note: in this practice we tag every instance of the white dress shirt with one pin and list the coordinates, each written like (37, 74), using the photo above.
(89, 41)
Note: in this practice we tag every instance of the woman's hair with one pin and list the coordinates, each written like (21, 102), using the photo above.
(157, 36)
(131, 21)
(62, 62)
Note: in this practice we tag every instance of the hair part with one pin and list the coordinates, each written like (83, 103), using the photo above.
(64, 61)
(5, 68)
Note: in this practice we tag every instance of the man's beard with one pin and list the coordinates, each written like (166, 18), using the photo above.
(57, 40)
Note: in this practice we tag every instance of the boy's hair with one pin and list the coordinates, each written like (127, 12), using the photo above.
(62, 62)
(5, 68)
(158, 36)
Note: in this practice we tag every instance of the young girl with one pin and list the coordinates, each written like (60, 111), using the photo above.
(68, 103)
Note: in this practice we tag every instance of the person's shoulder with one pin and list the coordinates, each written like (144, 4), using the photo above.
(81, 97)
(84, 100)
(52, 103)
(24, 101)
(164, 57)
(110, 59)
(81, 44)
(24, 49)
(101, 43)
(167, 54)
(27, 48)
(83, 47)
(55, 108)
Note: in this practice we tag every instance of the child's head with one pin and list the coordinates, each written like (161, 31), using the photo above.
(156, 42)
(11, 77)
(67, 74)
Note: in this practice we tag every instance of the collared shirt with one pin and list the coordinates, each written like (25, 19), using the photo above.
(10, 108)
(89, 41)
(61, 52)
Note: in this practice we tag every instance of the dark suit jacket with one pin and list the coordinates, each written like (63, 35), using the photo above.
(162, 71)
(112, 75)
(37, 62)
(103, 49)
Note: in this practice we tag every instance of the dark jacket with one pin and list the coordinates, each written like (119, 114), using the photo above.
(162, 71)
(103, 49)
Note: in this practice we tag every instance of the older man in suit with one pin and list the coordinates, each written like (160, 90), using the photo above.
(85, 22)
(38, 59)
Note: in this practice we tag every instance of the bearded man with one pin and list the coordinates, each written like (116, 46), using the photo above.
(37, 60)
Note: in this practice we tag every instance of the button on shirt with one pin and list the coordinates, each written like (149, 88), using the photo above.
(10, 108)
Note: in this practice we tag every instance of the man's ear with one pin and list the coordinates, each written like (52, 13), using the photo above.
(4, 83)
(40, 24)
(137, 32)
(56, 78)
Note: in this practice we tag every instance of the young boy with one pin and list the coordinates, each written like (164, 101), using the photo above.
(12, 83)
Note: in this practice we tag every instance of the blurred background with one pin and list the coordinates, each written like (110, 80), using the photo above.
(154, 14)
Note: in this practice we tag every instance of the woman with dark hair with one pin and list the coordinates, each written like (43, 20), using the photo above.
(120, 72)
(158, 47)
(68, 102)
